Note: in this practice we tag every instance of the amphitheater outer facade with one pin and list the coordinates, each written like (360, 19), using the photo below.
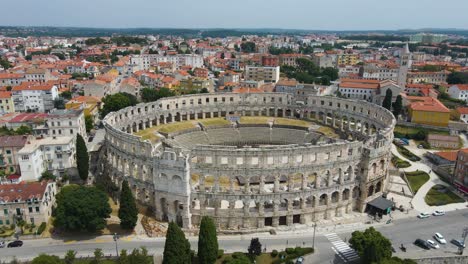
(309, 182)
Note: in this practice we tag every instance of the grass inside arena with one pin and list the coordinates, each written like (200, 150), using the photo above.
(150, 133)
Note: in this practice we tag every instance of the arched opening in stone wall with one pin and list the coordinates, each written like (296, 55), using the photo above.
(323, 199)
(335, 197)
(370, 191)
(378, 187)
(164, 209)
(345, 195)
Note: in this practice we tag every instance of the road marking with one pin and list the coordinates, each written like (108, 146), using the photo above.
(342, 249)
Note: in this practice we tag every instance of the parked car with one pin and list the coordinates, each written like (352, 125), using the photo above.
(16, 243)
(438, 213)
(440, 238)
(423, 215)
(422, 243)
(2, 244)
(432, 244)
(300, 260)
(420, 146)
(458, 243)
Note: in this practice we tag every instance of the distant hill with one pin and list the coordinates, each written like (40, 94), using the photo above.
(13, 31)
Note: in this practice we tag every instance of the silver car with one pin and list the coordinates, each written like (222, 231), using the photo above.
(440, 238)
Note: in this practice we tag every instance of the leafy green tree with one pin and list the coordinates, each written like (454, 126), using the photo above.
(177, 247)
(82, 157)
(207, 241)
(5, 63)
(89, 123)
(138, 256)
(81, 208)
(98, 256)
(23, 130)
(128, 212)
(67, 95)
(396, 260)
(116, 102)
(70, 257)
(398, 106)
(237, 258)
(331, 72)
(457, 78)
(46, 259)
(151, 95)
(248, 47)
(371, 246)
(59, 103)
(387, 102)
(47, 175)
(255, 247)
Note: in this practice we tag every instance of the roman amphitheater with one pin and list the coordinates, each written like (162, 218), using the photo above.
(250, 161)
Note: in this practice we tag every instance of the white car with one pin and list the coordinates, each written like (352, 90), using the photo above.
(440, 238)
(2, 244)
(432, 244)
(423, 215)
(438, 213)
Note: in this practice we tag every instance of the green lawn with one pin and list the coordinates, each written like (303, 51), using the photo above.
(407, 154)
(220, 121)
(441, 195)
(417, 179)
(399, 163)
(414, 130)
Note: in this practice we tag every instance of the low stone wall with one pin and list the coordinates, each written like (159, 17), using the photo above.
(444, 260)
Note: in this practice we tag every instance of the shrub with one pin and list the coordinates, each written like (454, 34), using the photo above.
(220, 253)
(274, 253)
(289, 262)
(41, 228)
(282, 254)
(227, 259)
(290, 251)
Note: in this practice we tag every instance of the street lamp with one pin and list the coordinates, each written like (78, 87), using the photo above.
(313, 238)
(116, 237)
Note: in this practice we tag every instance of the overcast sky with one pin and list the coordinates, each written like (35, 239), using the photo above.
(290, 14)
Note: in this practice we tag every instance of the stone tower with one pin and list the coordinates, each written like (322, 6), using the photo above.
(405, 66)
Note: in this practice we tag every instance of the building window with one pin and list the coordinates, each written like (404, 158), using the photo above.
(37, 209)
(25, 157)
(5, 211)
(30, 209)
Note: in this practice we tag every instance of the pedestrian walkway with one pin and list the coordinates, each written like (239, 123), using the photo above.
(347, 254)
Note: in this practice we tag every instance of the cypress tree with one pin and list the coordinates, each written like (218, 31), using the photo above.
(387, 102)
(128, 212)
(177, 247)
(207, 242)
(398, 106)
(82, 157)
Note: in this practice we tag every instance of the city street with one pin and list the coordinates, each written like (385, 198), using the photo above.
(401, 231)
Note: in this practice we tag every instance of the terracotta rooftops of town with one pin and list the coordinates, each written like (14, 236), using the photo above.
(440, 137)
(462, 87)
(419, 85)
(22, 192)
(286, 82)
(31, 86)
(448, 155)
(359, 85)
(13, 141)
(462, 110)
(427, 104)
(26, 117)
(6, 75)
(5, 94)
(61, 113)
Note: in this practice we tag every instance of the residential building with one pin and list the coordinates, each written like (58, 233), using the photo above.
(258, 73)
(438, 77)
(348, 71)
(33, 97)
(37, 75)
(347, 59)
(66, 122)
(6, 103)
(463, 112)
(359, 88)
(201, 72)
(131, 86)
(289, 59)
(286, 86)
(53, 154)
(428, 111)
(443, 141)
(460, 174)
(420, 89)
(270, 61)
(323, 60)
(11, 79)
(458, 91)
(381, 71)
(31, 202)
(9, 147)
(89, 104)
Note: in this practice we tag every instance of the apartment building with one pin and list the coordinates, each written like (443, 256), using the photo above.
(37, 75)
(458, 91)
(32, 97)
(30, 202)
(461, 171)
(6, 103)
(66, 122)
(258, 73)
(9, 148)
(11, 79)
(439, 77)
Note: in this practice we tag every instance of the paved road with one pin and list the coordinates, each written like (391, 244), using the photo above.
(402, 231)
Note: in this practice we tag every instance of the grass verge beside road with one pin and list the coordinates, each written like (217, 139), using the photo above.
(399, 163)
(407, 154)
(441, 195)
(417, 179)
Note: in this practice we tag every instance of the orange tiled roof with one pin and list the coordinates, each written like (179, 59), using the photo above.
(427, 104)
(462, 110)
(448, 155)
(359, 85)
(462, 87)
(4, 94)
